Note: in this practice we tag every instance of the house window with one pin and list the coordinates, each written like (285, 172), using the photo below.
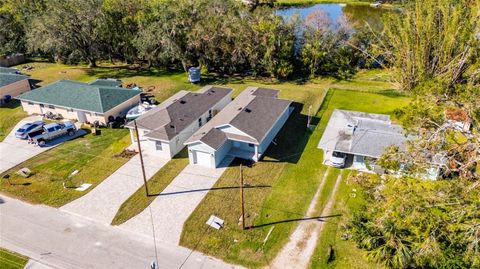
(158, 145)
(51, 107)
(42, 105)
(70, 109)
(250, 145)
(30, 103)
(199, 122)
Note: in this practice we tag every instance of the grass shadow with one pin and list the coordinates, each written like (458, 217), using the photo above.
(212, 189)
(319, 218)
(292, 138)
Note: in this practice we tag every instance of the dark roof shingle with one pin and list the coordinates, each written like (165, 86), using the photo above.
(9, 78)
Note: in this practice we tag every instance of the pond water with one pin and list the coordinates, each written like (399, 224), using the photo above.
(356, 15)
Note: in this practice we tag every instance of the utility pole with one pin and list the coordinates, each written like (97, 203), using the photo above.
(241, 197)
(141, 157)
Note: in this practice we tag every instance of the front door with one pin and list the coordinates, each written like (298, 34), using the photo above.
(81, 116)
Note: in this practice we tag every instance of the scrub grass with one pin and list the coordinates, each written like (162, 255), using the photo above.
(94, 157)
(292, 183)
(11, 260)
(346, 254)
(10, 114)
(136, 203)
(287, 3)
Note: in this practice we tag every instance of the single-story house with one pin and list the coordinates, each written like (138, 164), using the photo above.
(166, 127)
(244, 128)
(83, 102)
(12, 84)
(361, 136)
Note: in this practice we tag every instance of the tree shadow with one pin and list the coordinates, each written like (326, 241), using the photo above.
(292, 139)
(319, 218)
(211, 189)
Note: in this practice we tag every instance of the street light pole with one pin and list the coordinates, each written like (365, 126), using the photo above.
(141, 158)
(242, 197)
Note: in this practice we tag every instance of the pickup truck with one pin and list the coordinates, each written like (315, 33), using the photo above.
(52, 131)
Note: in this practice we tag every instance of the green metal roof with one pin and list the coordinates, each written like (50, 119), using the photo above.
(79, 95)
(106, 82)
(8, 70)
(7, 79)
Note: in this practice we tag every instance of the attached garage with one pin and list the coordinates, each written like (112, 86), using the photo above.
(202, 158)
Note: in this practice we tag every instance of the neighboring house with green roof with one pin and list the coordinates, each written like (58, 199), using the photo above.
(12, 85)
(80, 101)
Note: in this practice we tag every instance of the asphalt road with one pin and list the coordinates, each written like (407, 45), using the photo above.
(63, 240)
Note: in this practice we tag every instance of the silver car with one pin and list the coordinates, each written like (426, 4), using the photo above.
(27, 128)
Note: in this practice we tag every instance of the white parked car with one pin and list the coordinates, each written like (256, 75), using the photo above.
(338, 159)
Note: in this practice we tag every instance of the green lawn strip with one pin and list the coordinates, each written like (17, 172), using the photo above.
(136, 203)
(327, 190)
(11, 260)
(93, 156)
(10, 115)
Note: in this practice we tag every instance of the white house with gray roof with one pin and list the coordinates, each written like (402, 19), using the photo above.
(360, 135)
(166, 127)
(244, 128)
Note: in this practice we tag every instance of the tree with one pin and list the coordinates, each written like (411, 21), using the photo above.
(12, 36)
(69, 28)
(429, 39)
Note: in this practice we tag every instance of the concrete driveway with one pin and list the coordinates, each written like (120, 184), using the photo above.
(174, 205)
(14, 151)
(102, 203)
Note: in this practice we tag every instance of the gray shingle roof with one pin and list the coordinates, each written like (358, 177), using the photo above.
(250, 113)
(79, 95)
(169, 119)
(9, 78)
(372, 134)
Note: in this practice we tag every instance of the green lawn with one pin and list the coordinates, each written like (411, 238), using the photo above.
(11, 260)
(93, 156)
(136, 203)
(291, 184)
(10, 114)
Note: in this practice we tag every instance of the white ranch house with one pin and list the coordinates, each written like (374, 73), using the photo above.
(244, 128)
(165, 128)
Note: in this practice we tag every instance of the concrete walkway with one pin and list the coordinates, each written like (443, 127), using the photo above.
(174, 205)
(102, 203)
(14, 151)
(52, 238)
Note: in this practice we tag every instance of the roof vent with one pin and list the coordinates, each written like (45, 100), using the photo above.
(240, 108)
(183, 102)
(181, 119)
(172, 126)
(248, 110)
(212, 91)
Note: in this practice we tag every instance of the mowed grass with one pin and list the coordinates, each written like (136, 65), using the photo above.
(10, 114)
(93, 156)
(11, 260)
(347, 255)
(136, 203)
(280, 191)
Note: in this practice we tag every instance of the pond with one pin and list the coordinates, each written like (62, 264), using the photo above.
(356, 15)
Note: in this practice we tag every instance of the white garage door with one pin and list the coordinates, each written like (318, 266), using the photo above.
(203, 158)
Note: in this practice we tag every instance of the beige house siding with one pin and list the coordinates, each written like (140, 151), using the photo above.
(67, 113)
(15, 89)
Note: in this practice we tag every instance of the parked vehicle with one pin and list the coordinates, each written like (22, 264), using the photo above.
(27, 128)
(338, 159)
(139, 110)
(52, 131)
